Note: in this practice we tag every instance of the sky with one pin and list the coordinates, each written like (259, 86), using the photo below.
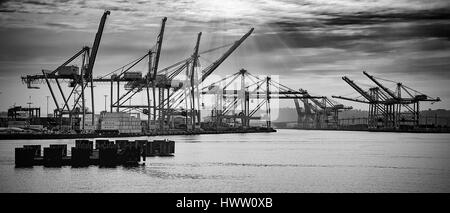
(308, 44)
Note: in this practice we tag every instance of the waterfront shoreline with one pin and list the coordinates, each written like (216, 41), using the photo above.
(379, 130)
(32, 136)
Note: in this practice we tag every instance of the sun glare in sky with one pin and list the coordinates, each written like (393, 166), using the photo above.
(229, 9)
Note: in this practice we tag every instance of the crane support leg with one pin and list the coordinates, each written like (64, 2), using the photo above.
(51, 90)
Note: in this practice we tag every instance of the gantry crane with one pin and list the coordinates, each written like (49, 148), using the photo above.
(190, 93)
(395, 102)
(376, 111)
(77, 80)
(386, 106)
(326, 112)
(261, 90)
(134, 82)
(163, 82)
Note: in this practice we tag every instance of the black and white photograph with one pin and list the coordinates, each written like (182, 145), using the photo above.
(224, 96)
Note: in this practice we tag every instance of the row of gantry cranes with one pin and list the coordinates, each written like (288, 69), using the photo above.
(175, 92)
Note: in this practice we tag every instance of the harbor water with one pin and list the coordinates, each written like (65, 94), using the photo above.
(284, 161)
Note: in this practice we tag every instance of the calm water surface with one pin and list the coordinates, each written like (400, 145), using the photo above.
(286, 161)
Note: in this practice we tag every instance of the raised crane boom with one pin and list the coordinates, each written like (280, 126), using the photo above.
(207, 71)
(96, 44)
(388, 91)
(93, 56)
(195, 55)
(316, 101)
(158, 48)
(358, 89)
(350, 99)
(192, 77)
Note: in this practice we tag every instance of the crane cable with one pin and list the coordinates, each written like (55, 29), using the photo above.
(216, 48)
(121, 68)
(402, 85)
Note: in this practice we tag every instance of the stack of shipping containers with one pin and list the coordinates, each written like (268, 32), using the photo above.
(124, 122)
(88, 123)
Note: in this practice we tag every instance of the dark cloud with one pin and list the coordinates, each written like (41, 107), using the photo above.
(7, 10)
(42, 3)
(353, 31)
(61, 26)
(418, 40)
(113, 8)
(364, 26)
(380, 17)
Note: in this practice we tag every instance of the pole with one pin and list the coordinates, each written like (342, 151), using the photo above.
(269, 125)
(111, 96)
(51, 90)
(148, 107)
(192, 98)
(161, 110)
(149, 77)
(118, 94)
(154, 101)
(47, 104)
(168, 107)
(187, 98)
(243, 98)
(92, 99)
(82, 75)
(106, 96)
(83, 104)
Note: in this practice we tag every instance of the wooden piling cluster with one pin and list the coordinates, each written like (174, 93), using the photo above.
(161, 148)
(55, 155)
(25, 156)
(106, 153)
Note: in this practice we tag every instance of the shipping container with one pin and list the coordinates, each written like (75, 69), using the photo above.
(176, 84)
(132, 75)
(68, 70)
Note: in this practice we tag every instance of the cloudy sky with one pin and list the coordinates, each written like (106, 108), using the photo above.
(309, 44)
